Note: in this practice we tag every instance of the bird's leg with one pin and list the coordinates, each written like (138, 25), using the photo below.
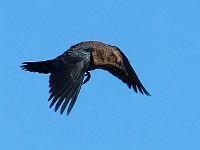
(87, 78)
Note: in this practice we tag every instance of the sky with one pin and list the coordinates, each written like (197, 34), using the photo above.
(161, 40)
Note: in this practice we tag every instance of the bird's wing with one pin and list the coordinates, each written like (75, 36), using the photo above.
(131, 78)
(66, 78)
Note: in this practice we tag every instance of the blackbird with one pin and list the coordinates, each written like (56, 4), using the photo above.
(67, 71)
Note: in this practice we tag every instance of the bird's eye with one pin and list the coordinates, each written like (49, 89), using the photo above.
(118, 61)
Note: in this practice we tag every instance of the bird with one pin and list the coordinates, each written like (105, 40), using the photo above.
(69, 71)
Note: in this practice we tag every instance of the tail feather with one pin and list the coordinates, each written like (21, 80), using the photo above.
(40, 66)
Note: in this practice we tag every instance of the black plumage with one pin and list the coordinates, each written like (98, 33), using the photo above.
(67, 71)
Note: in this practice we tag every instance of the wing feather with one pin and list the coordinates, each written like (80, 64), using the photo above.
(66, 78)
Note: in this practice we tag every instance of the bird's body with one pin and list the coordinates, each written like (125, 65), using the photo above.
(67, 71)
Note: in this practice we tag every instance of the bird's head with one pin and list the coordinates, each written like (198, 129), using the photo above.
(109, 57)
(117, 60)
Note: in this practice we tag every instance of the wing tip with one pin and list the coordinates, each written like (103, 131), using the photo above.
(144, 91)
(141, 89)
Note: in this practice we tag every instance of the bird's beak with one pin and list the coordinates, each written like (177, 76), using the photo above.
(123, 68)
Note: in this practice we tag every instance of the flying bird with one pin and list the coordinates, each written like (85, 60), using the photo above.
(68, 70)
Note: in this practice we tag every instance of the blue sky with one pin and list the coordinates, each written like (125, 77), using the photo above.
(162, 42)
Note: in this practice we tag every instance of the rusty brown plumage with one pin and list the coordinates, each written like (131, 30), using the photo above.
(67, 71)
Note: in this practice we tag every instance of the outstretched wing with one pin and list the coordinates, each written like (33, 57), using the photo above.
(66, 78)
(131, 78)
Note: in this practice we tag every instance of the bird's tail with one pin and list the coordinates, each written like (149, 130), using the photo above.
(40, 66)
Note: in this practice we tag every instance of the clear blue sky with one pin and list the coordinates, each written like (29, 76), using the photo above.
(162, 42)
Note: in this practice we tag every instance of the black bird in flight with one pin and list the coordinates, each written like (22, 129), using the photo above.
(67, 71)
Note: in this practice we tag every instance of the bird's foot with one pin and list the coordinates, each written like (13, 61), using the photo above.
(87, 78)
